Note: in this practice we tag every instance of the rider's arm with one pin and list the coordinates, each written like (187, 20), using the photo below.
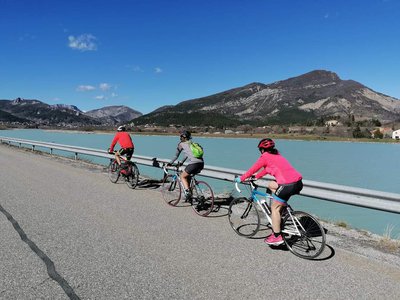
(263, 172)
(178, 152)
(114, 141)
(254, 168)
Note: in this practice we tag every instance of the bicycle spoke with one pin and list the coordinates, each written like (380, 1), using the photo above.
(133, 178)
(202, 198)
(303, 235)
(171, 190)
(113, 171)
(244, 217)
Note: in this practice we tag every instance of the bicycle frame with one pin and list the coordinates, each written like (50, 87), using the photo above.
(265, 208)
(176, 176)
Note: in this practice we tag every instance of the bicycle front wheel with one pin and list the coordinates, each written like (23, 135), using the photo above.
(303, 235)
(113, 171)
(171, 190)
(202, 198)
(133, 179)
(244, 217)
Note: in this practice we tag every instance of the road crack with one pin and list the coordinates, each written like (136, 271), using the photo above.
(51, 269)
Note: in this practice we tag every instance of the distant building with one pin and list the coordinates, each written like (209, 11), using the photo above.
(332, 123)
(396, 134)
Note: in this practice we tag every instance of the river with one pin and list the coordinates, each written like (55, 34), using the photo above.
(367, 165)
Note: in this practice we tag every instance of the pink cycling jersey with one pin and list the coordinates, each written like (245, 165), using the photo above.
(275, 165)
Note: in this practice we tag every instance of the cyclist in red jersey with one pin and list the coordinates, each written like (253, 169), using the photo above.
(125, 141)
(288, 182)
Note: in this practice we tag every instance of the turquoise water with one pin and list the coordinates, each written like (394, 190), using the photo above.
(367, 165)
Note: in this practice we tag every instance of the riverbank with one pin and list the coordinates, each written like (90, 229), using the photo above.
(287, 136)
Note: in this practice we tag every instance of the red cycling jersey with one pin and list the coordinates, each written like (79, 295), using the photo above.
(275, 165)
(124, 140)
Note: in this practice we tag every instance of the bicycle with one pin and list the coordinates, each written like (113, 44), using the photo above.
(202, 199)
(128, 170)
(302, 233)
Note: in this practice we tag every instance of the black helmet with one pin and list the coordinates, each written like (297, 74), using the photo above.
(185, 134)
(121, 128)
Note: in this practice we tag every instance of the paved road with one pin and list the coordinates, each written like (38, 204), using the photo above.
(68, 233)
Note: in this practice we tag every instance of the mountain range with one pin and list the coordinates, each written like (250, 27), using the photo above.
(297, 100)
(37, 112)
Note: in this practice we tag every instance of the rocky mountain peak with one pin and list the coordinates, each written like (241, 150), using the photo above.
(313, 78)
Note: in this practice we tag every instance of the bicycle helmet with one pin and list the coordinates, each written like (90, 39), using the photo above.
(186, 134)
(121, 128)
(266, 144)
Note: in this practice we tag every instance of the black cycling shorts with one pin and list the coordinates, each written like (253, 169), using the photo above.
(128, 152)
(195, 168)
(285, 191)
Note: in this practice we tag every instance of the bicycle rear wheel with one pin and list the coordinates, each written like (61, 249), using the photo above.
(133, 178)
(171, 190)
(202, 198)
(303, 235)
(113, 171)
(244, 217)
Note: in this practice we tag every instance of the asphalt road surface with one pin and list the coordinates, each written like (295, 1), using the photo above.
(67, 232)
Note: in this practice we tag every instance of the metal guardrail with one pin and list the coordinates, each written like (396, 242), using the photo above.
(378, 200)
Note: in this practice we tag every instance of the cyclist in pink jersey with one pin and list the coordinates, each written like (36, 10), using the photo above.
(288, 182)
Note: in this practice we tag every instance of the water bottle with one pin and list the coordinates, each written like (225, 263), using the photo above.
(262, 205)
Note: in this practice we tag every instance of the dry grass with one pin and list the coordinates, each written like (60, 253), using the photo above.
(342, 224)
(388, 242)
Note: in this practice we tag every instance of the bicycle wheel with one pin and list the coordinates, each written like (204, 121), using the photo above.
(171, 190)
(202, 198)
(113, 171)
(133, 178)
(244, 217)
(303, 235)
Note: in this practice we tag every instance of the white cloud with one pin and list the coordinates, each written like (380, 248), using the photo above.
(83, 42)
(26, 36)
(104, 86)
(158, 70)
(100, 97)
(113, 95)
(137, 69)
(85, 88)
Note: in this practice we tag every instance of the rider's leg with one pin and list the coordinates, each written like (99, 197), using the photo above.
(273, 186)
(276, 208)
(117, 158)
(185, 179)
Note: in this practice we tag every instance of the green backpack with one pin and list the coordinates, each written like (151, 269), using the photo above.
(197, 150)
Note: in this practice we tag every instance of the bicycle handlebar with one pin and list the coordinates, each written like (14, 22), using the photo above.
(251, 181)
(237, 187)
(165, 165)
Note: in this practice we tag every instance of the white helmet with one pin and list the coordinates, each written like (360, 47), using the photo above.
(121, 128)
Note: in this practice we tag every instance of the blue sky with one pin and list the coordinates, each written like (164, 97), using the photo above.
(148, 53)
